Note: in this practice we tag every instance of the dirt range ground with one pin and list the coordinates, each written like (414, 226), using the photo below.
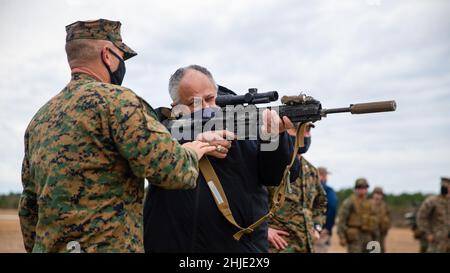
(398, 240)
(10, 235)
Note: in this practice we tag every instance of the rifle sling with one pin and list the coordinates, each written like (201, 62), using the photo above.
(221, 200)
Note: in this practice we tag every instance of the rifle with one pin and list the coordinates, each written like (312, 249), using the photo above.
(240, 111)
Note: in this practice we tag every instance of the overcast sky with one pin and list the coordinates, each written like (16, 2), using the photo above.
(340, 52)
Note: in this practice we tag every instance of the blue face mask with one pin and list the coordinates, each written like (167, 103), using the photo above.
(304, 149)
(118, 75)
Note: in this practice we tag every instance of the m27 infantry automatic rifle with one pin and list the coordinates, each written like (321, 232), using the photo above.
(240, 111)
(302, 108)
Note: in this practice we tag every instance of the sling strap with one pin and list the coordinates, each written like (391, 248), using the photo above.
(278, 197)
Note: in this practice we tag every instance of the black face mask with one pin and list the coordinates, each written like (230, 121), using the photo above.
(118, 75)
(444, 190)
(304, 149)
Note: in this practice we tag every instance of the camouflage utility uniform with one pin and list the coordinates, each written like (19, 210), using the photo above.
(87, 153)
(357, 223)
(304, 208)
(433, 218)
(384, 219)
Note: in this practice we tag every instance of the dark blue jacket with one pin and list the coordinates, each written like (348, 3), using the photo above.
(189, 220)
(331, 207)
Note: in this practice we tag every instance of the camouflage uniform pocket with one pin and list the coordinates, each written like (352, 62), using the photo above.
(369, 223)
(352, 234)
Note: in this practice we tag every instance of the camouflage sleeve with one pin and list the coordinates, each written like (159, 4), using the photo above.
(320, 204)
(343, 215)
(149, 148)
(423, 216)
(28, 212)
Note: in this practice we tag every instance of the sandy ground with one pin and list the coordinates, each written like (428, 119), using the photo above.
(398, 240)
(10, 235)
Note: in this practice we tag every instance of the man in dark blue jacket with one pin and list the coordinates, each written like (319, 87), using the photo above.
(322, 245)
(189, 220)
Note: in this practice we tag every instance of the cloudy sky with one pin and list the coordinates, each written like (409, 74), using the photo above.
(340, 52)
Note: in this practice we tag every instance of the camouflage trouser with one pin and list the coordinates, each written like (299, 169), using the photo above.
(360, 245)
(383, 243)
(295, 245)
(291, 248)
(381, 239)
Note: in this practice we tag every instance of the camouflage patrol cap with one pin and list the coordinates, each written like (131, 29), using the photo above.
(323, 171)
(101, 29)
(361, 183)
(378, 190)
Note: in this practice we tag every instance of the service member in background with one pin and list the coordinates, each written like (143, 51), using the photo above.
(298, 224)
(357, 220)
(433, 219)
(384, 222)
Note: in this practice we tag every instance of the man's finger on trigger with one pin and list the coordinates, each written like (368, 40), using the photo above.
(266, 116)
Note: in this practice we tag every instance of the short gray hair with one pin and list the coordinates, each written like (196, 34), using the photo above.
(175, 79)
(84, 49)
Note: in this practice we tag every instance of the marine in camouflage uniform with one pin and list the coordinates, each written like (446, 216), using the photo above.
(433, 219)
(87, 153)
(357, 220)
(384, 216)
(411, 217)
(304, 211)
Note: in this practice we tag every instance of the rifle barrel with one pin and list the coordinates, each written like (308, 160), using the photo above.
(364, 108)
(335, 110)
(373, 107)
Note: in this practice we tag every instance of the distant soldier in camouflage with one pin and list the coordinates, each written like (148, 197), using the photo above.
(89, 149)
(298, 223)
(384, 216)
(433, 219)
(357, 219)
(411, 217)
